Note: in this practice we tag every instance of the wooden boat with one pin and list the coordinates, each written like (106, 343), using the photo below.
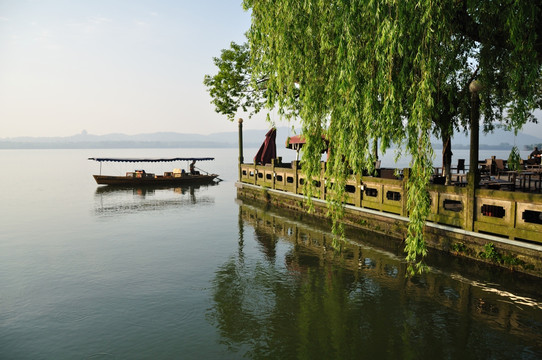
(142, 178)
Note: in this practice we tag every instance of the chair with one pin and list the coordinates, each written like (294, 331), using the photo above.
(484, 166)
(499, 166)
(490, 166)
(439, 180)
(460, 166)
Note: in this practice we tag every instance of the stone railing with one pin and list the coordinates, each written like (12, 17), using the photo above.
(509, 214)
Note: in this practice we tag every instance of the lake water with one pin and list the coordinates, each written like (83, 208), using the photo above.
(87, 273)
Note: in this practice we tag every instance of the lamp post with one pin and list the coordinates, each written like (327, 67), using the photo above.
(474, 175)
(241, 160)
(474, 88)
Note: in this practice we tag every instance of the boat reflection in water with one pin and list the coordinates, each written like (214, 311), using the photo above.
(112, 200)
(293, 291)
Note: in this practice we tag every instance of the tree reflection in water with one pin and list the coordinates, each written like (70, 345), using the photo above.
(297, 297)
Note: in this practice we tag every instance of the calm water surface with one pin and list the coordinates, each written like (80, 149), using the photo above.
(189, 273)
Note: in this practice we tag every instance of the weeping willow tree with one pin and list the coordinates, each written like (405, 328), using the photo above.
(391, 72)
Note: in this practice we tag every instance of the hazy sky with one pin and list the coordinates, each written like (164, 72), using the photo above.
(113, 66)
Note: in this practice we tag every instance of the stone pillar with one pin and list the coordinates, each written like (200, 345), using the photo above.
(323, 180)
(404, 198)
(296, 175)
(470, 206)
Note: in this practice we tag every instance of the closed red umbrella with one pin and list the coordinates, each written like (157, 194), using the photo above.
(268, 150)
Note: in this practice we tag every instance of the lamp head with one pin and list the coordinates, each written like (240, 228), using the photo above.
(475, 86)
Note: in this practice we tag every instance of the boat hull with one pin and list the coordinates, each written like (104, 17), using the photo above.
(154, 181)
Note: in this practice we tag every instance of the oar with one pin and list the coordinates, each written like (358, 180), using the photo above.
(206, 173)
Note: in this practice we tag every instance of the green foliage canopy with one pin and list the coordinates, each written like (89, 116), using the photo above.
(232, 88)
(382, 70)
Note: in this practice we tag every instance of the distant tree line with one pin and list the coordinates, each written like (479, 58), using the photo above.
(115, 145)
(532, 146)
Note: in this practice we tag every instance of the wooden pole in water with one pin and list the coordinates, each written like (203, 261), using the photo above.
(241, 160)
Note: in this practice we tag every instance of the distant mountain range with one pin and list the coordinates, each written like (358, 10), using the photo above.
(251, 138)
(499, 139)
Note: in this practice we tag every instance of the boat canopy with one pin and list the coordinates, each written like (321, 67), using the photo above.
(134, 160)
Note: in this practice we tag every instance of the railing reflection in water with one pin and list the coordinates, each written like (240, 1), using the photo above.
(308, 294)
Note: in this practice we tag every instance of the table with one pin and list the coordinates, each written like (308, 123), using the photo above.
(509, 174)
(460, 179)
(525, 178)
(497, 184)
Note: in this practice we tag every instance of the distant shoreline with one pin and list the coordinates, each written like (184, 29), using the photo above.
(6, 145)
(112, 145)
